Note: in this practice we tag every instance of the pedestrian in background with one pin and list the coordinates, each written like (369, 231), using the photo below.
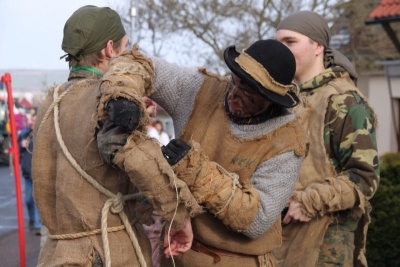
(163, 136)
(25, 145)
(153, 231)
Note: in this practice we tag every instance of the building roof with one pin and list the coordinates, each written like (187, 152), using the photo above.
(387, 11)
(25, 103)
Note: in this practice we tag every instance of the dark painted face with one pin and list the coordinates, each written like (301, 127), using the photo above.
(245, 102)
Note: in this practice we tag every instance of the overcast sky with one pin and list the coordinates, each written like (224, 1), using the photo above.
(31, 32)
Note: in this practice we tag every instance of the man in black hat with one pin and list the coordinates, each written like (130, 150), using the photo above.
(88, 206)
(239, 151)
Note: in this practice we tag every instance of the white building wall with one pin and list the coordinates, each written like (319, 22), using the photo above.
(377, 90)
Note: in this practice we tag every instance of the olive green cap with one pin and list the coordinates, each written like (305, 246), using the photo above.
(89, 29)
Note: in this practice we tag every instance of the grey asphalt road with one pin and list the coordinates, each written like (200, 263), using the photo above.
(9, 236)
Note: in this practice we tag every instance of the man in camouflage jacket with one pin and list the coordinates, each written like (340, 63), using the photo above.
(328, 213)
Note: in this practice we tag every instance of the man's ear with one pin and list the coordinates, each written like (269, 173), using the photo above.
(109, 50)
(319, 50)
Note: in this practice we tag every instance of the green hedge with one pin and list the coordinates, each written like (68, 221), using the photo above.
(383, 240)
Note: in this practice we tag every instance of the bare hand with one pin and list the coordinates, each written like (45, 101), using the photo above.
(295, 213)
(151, 106)
(181, 241)
(24, 143)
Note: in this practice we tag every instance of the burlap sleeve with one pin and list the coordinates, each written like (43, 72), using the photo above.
(337, 193)
(129, 76)
(141, 158)
(234, 203)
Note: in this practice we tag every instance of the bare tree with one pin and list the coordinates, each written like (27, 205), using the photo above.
(197, 32)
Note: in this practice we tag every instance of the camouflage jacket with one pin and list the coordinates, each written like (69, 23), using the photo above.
(349, 134)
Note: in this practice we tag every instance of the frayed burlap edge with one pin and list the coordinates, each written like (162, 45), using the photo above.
(185, 196)
(129, 76)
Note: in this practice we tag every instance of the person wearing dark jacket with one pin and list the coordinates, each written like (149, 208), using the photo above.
(25, 145)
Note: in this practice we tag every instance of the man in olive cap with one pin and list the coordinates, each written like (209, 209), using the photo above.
(240, 148)
(328, 213)
(89, 206)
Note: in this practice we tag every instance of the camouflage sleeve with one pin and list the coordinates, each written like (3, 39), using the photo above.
(350, 140)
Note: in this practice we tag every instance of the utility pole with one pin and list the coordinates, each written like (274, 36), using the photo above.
(133, 18)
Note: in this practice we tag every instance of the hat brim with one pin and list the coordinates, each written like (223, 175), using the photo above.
(289, 100)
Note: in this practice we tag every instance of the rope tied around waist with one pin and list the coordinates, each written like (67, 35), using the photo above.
(114, 204)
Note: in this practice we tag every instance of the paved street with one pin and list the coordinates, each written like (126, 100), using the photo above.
(9, 237)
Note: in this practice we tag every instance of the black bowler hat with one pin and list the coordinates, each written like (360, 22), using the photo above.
(267, 66)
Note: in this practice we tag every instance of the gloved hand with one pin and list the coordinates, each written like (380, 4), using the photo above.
(175, 151)
(142, 160)
(123, 112)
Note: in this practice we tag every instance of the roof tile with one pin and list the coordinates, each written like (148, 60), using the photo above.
(386, 9)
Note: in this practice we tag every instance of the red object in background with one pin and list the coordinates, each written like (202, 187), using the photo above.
(6, 79)
(25, 103)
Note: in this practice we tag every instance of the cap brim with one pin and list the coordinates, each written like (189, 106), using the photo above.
(289, 100)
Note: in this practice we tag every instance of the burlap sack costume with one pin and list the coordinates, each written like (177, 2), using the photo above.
(218, 169)
(80, 198)
(68, 204)
(216, 188)
(141, 156)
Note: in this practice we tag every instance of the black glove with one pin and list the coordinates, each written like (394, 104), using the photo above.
(124, 112)
(175, 151)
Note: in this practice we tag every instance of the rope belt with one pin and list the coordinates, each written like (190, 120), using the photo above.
(216, 253)
(115, 203)
(88, 233)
